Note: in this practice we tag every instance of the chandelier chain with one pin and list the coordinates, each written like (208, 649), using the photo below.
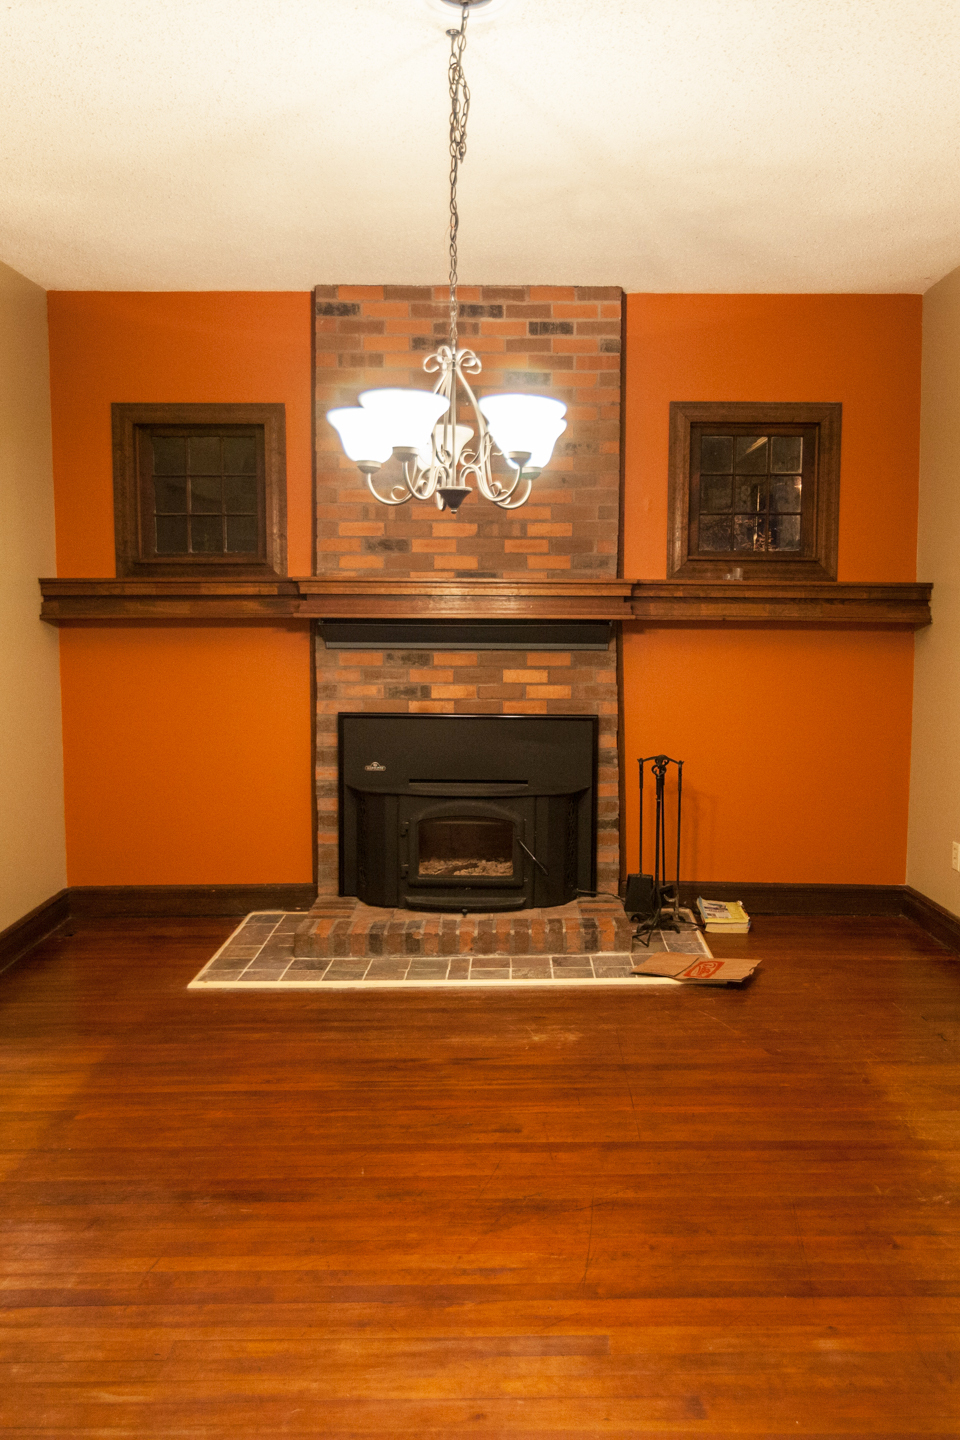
(439, 457)
(459, 110)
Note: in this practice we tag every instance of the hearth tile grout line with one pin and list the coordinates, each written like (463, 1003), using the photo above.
(282, 915)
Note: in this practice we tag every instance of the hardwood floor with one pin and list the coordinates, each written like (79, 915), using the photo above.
(680, 1212)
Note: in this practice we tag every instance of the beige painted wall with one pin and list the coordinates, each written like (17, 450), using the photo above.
(935, 767)
(32, 850)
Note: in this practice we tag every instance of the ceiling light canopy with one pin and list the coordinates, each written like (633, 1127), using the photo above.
(438, 456)
(479, 9)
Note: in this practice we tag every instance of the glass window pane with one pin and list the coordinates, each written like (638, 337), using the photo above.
(240, 494)
(749, 532)
(170, 496)
(465, 847)
(206, 535)
(171, 535)
(785, 494)
(715, 492)
(750, 495)
(242, 533)
(716, 532)
(751, 455)
(239, 455)
(205, 494)
(786, 453)
(169, 455)
(784, 532)
(204, 454)
(716, 454)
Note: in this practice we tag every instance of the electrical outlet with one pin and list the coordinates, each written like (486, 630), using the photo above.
(955, 861)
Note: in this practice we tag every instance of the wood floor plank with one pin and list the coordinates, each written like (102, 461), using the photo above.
(685, 1212)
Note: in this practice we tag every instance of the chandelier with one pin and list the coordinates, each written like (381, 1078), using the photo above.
(438, 454)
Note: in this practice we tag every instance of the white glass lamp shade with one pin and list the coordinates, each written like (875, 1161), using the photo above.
(525, 424)
(406, 417)
(463, 434)
(361, 435)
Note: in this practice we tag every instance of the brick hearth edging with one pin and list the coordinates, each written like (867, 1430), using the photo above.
(340, 926)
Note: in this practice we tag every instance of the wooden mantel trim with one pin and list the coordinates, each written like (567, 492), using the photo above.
(654, 603)
(330, 597)
(806, 602)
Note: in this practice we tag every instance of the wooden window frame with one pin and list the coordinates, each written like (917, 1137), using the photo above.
(132, 512)
(821, 532)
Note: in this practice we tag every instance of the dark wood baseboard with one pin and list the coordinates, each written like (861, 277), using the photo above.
(26, 932)
(103, 901)
(942, 924)
(772, 899)
(777, 899)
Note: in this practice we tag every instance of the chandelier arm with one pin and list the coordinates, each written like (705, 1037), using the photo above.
(505, 501)
(422, 484)
(480, 467)
(482, 470)
(424, 481)
(477, 463)
(459, 375)
(501, 493)
(388, 500)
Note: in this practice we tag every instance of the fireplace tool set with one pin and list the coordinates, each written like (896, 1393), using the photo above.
(652, 900)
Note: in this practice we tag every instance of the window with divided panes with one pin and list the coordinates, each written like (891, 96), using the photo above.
(754, 491)
(205, 490)
(199, 488)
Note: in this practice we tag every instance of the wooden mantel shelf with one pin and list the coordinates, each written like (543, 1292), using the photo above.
(653, 603)
(798, 602)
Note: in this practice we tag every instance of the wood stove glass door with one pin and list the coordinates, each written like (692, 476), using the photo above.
(465, 854)
(465, 847)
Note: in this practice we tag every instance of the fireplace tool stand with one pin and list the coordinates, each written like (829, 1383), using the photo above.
(663, 896)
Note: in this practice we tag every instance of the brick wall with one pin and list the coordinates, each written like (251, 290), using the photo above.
(562, 341)
(556, 340)
(458, 682)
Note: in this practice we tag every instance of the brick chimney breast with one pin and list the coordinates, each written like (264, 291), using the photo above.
(562, 341)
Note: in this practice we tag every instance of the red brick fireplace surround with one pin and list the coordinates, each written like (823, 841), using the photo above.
(561, 341)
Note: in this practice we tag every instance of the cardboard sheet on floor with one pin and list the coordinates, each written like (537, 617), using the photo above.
(700, 972)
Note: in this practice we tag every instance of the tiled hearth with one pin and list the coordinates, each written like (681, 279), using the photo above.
(260, 953)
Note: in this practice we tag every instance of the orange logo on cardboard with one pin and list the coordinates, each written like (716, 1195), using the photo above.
(703, 969)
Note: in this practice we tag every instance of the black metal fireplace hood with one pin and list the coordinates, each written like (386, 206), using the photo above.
(466, 635)
(467, 812)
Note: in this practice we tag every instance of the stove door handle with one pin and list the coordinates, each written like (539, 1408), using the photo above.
(532, 856)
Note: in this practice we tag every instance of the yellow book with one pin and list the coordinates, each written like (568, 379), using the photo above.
(724, 916)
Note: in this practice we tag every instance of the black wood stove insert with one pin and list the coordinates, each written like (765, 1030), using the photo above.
(467, 812)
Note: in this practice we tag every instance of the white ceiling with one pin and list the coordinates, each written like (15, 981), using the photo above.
(672, 145)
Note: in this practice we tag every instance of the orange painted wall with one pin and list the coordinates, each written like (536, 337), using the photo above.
(187, 750)
(766, 720)
(190, 347)
(187, 755)
(796, 742)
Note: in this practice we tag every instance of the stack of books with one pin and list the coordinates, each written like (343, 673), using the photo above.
(723, 917)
